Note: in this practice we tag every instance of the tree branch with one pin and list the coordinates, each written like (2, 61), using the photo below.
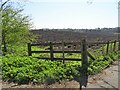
(4, 4)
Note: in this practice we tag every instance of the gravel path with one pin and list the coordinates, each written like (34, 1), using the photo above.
(108, 78)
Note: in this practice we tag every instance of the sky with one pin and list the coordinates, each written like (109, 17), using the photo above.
(75, 14)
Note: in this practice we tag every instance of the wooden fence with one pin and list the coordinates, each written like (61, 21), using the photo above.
(110, 46)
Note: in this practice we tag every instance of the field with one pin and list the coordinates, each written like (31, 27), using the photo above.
(24, 69)
(67, 35)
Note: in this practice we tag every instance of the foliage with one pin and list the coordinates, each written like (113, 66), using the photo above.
(28, 69)
(15, 28)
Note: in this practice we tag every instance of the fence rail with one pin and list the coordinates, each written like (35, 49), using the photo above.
(110, 45)
(54, 43)
(83, 50)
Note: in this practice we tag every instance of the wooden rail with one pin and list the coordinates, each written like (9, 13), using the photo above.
(51, 51)
(110, 46)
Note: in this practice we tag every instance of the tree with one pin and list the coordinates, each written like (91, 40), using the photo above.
(15, 27)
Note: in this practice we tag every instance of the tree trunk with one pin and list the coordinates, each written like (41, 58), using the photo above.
(4, 43)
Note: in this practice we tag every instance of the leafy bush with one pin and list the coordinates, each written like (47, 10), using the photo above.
(28, 69)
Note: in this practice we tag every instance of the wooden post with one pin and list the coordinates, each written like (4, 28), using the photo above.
(107, 49)
(63, 44)
(51, 51)
(103, 49)
(119, 45)
(118, 38)
(114, 47)
(84, 75)
(29, 50)
(111, 47)
(84, 52)
(77, 47)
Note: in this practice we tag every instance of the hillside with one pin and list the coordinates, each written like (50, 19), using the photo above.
(75, 34)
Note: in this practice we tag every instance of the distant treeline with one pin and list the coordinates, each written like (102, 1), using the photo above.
(75, 34)
(80, 30)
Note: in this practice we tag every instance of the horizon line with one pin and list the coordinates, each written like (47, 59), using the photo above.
(77, 28)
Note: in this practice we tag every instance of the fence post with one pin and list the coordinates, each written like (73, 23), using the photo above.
(111, 46)
(63, 44)
(118, 38)
(107, 49)
(51, 51)
(84, 52)
(119, 45)
(103, 49)
(84, 75)
(114, 47)
(29, 50)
